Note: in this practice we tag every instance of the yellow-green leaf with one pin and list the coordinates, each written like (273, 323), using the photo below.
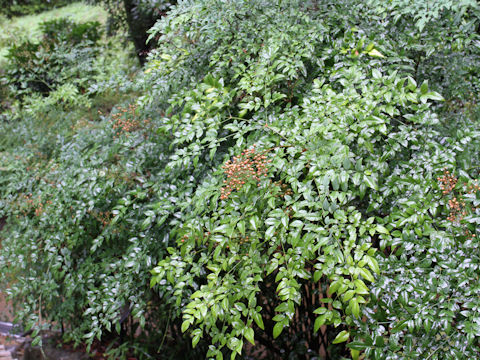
(382, 229)
(258, 320)
(355, 307)
(366, 274)
(277, 330)
(375, 53)
(249, 335)
(341, 337)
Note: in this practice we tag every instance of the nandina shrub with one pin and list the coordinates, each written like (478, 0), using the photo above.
(65, 226)
(26, 7)
(247, 233)
(275, 183)
(66, 53)
(65, 30)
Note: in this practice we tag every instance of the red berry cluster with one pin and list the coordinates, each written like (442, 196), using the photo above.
(457, 206)
(249, 165)
(104, 217)
(469, 235)
(126, 121)
(447, 182)
(34, 204)
(457, 210)
(473, 188)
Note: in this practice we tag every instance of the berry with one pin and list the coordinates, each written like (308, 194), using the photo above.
(247, 166)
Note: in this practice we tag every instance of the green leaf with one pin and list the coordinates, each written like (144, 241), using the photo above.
(348, 295)
(257, 317)
(212, 152)
(334, 286)
(355, 354)
(341, 337)
(270, 232)
(357, 345)
(254, 221)
(249, 335)
(412, 84)
(239, 347)
(222, 228)
(373, 264)
(271, 202)
(355, 307)
(320, 310)
(36, 341)
(371, 182)
(431, 96)
(370, 46)
(195, 340)
(375, 53)
(399, 326)
(424, 88)
(382, 229)
(366, 274)
(277, 329)
(185, 325)
(361, 288)
(241, 227)
(319, 321)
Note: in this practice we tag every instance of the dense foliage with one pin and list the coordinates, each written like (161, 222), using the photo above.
(138, 16)
(66, 53)
(296, 175)
(24, 7)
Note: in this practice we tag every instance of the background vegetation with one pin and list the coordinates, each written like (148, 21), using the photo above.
(281, 179)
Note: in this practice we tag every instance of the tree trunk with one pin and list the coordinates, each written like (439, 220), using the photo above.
(138, 25)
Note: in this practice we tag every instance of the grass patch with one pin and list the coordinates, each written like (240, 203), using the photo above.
(27, 27)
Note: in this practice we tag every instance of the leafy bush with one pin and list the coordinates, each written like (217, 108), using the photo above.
(66, 53)
(10, 34)
(310, 219)
(65, 30)
(26, 7)
(424, 13)
(217, 272)
(286, 176)
(33, 192)
(419, 307)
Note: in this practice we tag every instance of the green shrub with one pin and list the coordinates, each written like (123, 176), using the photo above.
(65, 30)
(281, 180)
(335, 170)
(65, 53)
(26, 7)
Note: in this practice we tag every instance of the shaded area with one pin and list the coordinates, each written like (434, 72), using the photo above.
(5, 307)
